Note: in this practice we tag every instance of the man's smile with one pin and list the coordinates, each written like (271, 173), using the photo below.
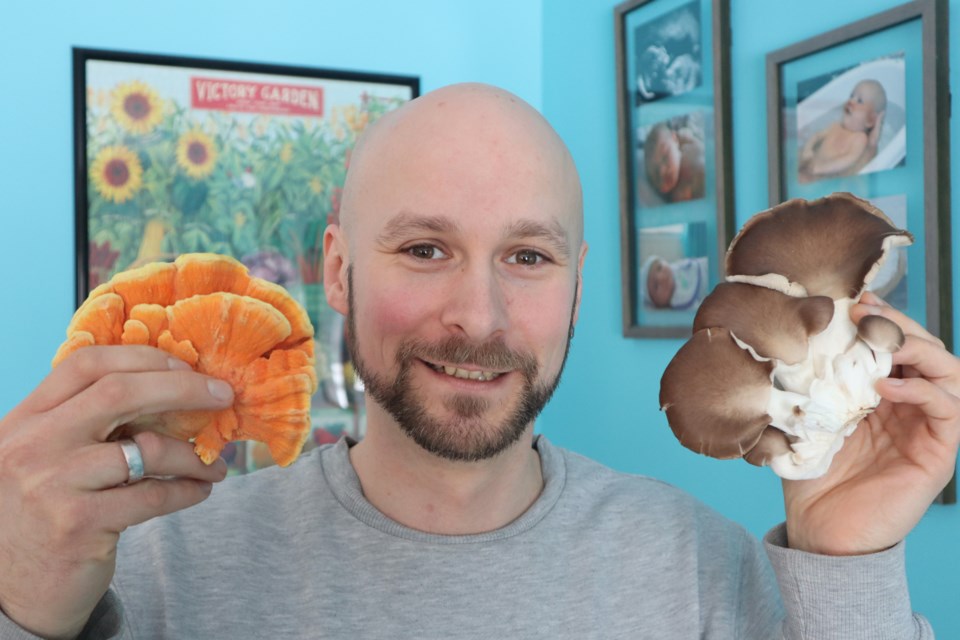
(465, 374)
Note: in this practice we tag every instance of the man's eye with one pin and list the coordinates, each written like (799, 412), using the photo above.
(426, 252)
(527, 258)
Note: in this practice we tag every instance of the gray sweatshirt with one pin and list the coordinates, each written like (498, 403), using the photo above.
(299, 553)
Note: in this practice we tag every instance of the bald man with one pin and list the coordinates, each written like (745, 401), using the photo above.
(457, 262)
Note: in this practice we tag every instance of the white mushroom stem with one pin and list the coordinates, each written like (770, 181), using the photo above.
(820, 401)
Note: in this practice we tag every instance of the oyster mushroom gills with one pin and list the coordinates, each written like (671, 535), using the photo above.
(207, 310)
(775, 371)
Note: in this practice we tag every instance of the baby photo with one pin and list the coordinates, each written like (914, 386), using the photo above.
(668, 54)
(852, 121)
(674, 271)
(670, 160)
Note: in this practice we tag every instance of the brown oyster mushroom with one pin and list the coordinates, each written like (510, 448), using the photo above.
(715, 395)
(831, 246)
(774, 324)
(880, 334)
(773, 444)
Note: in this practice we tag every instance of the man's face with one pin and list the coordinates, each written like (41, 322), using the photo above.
(462, 291)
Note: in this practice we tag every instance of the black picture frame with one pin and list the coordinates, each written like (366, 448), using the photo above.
(179, 155)
(672, 94)
(145, 68)
(904, 50)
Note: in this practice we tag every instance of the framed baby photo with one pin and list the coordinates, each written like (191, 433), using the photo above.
(864, 109)
(179, 155)
(675, 158)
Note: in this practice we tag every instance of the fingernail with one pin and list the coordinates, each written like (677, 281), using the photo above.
(220, 390)
(896, 382)
(205, 487)
(871, 309)
(176, 364)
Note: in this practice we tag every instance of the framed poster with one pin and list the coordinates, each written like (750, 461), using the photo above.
(676, 180)
(865, 109)
(179, 155)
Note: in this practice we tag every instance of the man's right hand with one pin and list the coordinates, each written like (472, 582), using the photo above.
(62, 491)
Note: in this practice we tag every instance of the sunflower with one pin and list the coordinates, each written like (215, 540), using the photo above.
(136, 107)
(196, 154)
(286, 153)
(117, 173)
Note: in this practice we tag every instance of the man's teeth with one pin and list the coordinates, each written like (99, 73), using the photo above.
(468, 375)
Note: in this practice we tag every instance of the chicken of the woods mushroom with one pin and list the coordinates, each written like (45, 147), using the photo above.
(207, 310)
(776, 372)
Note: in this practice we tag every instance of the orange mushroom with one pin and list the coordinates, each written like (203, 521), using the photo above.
(208, 311)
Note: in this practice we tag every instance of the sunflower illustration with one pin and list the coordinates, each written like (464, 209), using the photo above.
(286, 153)
(136, 107)
(117, 173)
(196, 154)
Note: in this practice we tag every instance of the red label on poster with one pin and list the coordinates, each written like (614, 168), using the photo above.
(256, 97)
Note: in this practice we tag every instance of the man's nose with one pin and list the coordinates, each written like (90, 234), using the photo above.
(476, 305)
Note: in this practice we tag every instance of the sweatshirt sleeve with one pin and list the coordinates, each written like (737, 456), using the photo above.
(844, 597)
(104, 623)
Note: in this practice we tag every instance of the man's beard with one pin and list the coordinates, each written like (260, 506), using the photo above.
(466, 436)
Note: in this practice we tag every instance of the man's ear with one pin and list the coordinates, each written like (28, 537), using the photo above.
(576, 306)
(336, 261)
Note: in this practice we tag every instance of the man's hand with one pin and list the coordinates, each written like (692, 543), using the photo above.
(895, 463)
(62, 488)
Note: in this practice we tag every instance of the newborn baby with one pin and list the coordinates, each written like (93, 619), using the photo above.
(681, 284)
(674, 162)
(845, 147)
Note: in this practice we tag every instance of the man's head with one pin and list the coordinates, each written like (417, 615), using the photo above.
(661, 156)
(867, 101)
(457, 261)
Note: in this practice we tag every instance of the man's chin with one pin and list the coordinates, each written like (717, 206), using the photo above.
(464, 439)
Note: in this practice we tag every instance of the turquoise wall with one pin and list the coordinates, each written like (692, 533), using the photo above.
(607, 404)
(558, 55)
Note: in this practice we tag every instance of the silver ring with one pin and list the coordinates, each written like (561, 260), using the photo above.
(131, 453)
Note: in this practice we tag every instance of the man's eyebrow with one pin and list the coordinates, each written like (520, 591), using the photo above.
(405, 223)
(554, 233)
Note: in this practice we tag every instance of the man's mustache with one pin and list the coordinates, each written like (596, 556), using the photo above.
(494, 355)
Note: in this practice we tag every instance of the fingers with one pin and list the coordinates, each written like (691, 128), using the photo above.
(88, 365)
(102, 465)
(123, 507)
(871, 304)
(929, 360)
(941, 408)
(118, 398)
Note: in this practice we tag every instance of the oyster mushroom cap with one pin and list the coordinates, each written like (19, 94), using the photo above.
(773, 445)
(773, 324)
(715, 395)
(881, 334)
(832, 246)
